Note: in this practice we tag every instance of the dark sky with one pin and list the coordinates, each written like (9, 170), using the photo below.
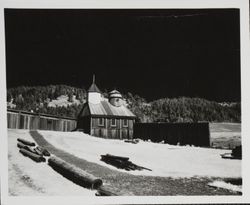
(153, 53)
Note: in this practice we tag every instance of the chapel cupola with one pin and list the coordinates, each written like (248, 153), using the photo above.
(94, 94)
(115, 98)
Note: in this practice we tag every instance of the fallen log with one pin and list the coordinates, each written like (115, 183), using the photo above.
(121, 162)
(44, 151)
(21, 145)
(228, 156)
(131, 141)
(38, 151)
(32, 155)
(30, 149)
(106, 190)
(26, 142)
(140, 168)
(132, 166)
(109, 156)
(74, 173)
(115, 162)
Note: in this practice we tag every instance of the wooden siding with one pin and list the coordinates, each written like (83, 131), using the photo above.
(110, 131)
(25, 120)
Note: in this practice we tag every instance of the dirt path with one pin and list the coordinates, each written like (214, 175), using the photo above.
(138, 185)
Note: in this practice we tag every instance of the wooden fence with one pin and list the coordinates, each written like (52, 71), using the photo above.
(197, 134)
(27, 120)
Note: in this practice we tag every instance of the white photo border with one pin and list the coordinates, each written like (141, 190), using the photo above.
(243, 5)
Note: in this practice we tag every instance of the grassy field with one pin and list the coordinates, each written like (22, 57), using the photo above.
(225, 127)
(225, 135)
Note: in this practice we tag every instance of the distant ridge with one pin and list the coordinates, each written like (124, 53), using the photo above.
(67, 101)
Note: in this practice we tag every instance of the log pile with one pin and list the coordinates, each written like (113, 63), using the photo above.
(30, 150)
(27, 148)
(31, 155)
(43, 151)
(75, 174)
(121, 162)
(69, 171)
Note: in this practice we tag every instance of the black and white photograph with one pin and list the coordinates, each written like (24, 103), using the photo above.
(123, 102)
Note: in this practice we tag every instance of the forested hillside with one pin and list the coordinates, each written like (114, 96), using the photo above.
(38, 99)
(184, 109)
(43, 99)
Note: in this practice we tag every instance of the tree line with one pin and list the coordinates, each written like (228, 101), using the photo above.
(181, 109)
(36, 99)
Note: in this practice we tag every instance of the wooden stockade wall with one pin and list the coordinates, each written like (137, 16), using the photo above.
(27, 120)
(197, 134)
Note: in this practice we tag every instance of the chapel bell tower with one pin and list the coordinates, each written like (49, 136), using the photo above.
(94, 94)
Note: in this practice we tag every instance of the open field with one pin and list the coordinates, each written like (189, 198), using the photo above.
(225, 127)
(225, 135)
(176, 170)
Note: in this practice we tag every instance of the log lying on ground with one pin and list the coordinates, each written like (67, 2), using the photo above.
(28, 148)
(121, 162)
(32, 155)
(109, 156)
(44, 151)
(106, 190)
(38, 151)
(74, 173)
(226, 156)
(133, 141)
(21, 145)
(26, 142)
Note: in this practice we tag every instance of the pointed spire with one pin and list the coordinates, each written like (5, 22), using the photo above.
(93, 87)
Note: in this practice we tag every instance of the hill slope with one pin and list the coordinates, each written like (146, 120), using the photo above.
(63, 100)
